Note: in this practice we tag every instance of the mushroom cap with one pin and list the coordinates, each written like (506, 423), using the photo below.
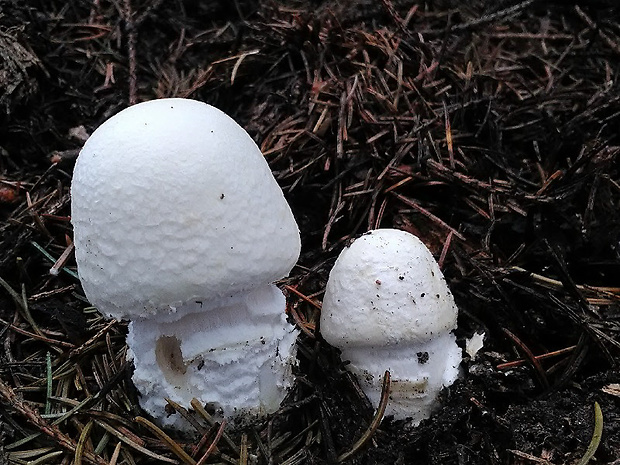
(173, 201)
(386, 289)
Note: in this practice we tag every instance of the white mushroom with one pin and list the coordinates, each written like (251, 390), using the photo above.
(387, 307)
(180, 227)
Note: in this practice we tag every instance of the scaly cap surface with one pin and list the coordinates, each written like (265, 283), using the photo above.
(173, 201)
(386, 289)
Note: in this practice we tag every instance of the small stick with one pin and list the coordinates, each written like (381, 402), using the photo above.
(501, 14)
(92, 340)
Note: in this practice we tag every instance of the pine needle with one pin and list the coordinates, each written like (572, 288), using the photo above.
(171, 443)
(596, 436)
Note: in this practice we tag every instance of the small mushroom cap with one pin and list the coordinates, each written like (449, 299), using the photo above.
(173, 201)
(386, 289)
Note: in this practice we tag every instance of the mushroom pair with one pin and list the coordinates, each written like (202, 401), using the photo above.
(181, 228)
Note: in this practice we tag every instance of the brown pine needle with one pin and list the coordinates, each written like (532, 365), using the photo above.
(555, 353)
(301, 323)
(376, 421)
(116, 453)
(50, 341)
(303, 297)
(132, 444)
(449, 135)
(191, 419)
(195, 403)
(171, 443)
(213, 445)
(530, 357)
(429, 215)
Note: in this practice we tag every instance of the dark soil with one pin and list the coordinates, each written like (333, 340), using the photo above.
(489, 130)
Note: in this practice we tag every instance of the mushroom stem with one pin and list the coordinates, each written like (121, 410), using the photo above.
(234, 353)
(418, 372)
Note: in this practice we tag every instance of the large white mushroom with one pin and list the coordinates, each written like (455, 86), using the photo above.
(387, 307)
(180, 227)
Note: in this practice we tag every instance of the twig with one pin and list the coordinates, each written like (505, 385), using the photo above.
(612, 293)
(92, 340)
(530, 457)
(243, 457)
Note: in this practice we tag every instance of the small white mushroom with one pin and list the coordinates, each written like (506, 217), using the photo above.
(180, 227)
(387, 307)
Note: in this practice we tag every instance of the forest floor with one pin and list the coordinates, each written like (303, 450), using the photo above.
(490, 131)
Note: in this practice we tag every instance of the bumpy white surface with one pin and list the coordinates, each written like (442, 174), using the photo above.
(235, 354)
(172, 201)
(387, 307)
(385, 288)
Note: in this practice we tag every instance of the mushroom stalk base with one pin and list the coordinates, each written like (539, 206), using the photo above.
(234, 355)
(418, 373)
